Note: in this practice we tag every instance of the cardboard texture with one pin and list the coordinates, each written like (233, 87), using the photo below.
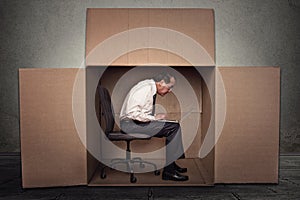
(56, 122)
(207, 161)
(247, 150)
(109, 26)
(51, 151)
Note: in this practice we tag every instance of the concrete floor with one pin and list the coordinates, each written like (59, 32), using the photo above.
(288, 187)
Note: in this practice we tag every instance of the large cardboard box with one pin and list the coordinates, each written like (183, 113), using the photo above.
(231, 132)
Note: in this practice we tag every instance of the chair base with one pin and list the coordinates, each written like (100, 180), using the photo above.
(129, 163)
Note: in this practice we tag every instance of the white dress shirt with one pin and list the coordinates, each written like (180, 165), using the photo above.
(138, 103)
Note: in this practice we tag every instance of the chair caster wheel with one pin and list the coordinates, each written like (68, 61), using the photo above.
(132, 179)
(103, 175)
(156, 172)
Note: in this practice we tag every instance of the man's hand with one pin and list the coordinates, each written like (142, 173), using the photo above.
(160, 116)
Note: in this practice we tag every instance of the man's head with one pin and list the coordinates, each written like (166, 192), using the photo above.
(164, 83)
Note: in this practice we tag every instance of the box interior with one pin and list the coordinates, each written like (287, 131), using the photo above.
(196, 106)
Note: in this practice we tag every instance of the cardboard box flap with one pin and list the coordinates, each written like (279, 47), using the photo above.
(247, 148)
(52, 152)
(135, 36)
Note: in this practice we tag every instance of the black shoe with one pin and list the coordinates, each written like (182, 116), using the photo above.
(179, 169)
(174, 176)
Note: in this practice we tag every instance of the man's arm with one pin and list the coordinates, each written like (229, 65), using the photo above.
(139, 105)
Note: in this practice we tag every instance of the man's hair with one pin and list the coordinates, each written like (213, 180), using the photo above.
(163, 76)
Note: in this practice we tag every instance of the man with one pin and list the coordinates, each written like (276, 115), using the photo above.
(137, 116)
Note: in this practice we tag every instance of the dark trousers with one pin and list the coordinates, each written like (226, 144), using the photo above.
(170, 130)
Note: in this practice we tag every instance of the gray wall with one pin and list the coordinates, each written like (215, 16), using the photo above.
(41, 33)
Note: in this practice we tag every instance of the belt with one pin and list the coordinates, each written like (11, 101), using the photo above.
(128, 120)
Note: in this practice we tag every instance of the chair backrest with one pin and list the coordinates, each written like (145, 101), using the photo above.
(106, 109)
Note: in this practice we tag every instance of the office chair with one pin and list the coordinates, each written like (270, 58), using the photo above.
(106, 111)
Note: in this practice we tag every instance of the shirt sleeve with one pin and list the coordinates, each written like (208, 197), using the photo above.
(139, 105)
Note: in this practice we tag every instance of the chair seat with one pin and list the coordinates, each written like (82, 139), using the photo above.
(121, 136)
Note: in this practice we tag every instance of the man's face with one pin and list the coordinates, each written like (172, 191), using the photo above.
(164, 88)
